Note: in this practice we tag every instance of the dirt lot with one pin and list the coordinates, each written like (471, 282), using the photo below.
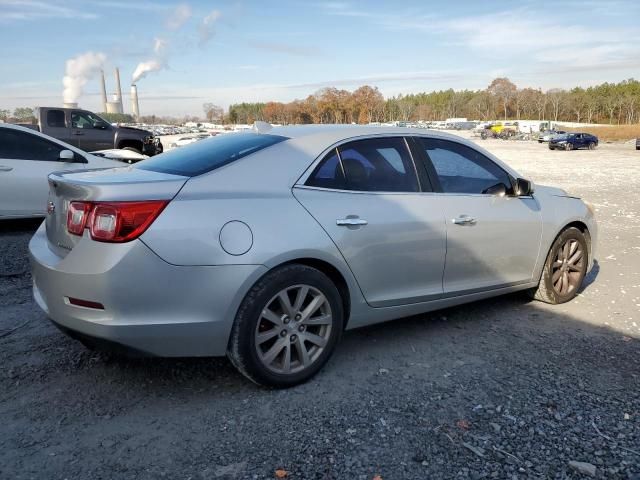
(504, 388)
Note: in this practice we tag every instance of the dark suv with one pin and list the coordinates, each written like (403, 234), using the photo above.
(573, 141)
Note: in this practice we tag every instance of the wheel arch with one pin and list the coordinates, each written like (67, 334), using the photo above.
(334, 274)
(580, 225)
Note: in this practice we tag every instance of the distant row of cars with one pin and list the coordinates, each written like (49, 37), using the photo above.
(182, 141)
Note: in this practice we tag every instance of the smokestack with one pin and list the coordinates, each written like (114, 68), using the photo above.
(135, 108)
(104, 91)
(118, 89)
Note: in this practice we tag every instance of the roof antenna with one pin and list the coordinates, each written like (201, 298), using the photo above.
(261, 127)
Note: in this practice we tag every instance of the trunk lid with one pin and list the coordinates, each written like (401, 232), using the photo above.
(107, 185)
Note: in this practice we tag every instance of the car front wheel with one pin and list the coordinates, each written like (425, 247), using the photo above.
(591, 146)
(564, 269)
(286, 327)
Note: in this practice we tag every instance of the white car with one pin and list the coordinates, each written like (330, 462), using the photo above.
(123, 154)
(181, 142)
(27, 157)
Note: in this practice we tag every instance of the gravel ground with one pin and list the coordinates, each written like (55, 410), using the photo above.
(503, 388)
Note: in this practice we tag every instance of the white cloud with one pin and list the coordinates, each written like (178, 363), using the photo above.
(207, 27)
(179, 16)
(29, 10)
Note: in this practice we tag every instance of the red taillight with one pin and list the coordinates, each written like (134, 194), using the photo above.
(77, 216)
(116, 221)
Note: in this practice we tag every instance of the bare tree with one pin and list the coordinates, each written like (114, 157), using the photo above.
(504, 90)
(213, 112)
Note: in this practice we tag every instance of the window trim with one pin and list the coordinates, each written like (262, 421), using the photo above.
(308, 173)
(433, 174)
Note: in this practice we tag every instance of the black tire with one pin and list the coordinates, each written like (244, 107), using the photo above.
(242, 349)
(591, 146)
(568, 146)
(551, 147)
(546, 292)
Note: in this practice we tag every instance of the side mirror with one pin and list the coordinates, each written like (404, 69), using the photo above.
(523, 187)
(67, 156)
(498, 190)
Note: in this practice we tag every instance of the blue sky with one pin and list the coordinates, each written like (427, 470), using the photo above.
(226, 52)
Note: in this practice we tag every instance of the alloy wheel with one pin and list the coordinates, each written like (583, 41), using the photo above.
(568, 267)
(293, 329)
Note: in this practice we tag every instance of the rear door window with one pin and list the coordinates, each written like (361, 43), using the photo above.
(55, 119)
(206, 155)
(378, 165)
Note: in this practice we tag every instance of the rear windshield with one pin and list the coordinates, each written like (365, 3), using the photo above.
(206, 155)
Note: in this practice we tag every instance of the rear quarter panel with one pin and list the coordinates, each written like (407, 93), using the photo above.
(256, 191)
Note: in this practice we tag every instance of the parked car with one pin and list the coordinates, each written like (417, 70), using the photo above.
(88, 131)
(550, 134)
(27, 157)
(182, 141)
(266, 245)
(124, 155)
(573, 141)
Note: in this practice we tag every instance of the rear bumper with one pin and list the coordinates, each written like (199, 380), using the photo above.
(149, 305)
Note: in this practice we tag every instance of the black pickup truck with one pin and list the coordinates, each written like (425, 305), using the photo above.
(89, 132)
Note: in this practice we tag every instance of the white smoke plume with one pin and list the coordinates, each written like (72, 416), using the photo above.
(207, 27)
(145, 67)
(79, 70)
(159, 45)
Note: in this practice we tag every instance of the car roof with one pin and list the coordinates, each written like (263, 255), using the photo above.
(316, 139)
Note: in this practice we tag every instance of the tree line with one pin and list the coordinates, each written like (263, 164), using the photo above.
(613, 103)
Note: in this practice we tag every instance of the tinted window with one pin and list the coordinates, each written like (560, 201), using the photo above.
(462, 169)
(23, 146)
(378, 165)
(86, 120)
(328, 173)
(206, 155)
(55, 119)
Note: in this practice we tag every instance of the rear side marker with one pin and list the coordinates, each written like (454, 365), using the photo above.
(78, 302)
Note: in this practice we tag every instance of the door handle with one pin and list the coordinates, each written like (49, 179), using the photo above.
(4, 168)
(464, 220)
(78, 133)
(350, 222)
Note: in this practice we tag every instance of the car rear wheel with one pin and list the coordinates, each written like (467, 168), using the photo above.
(591, 146)
(286, 327)
(564, 269)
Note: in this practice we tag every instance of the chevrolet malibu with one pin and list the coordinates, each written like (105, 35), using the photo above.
(266, 245)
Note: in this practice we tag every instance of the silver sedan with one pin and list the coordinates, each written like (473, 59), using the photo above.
(266, 245)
